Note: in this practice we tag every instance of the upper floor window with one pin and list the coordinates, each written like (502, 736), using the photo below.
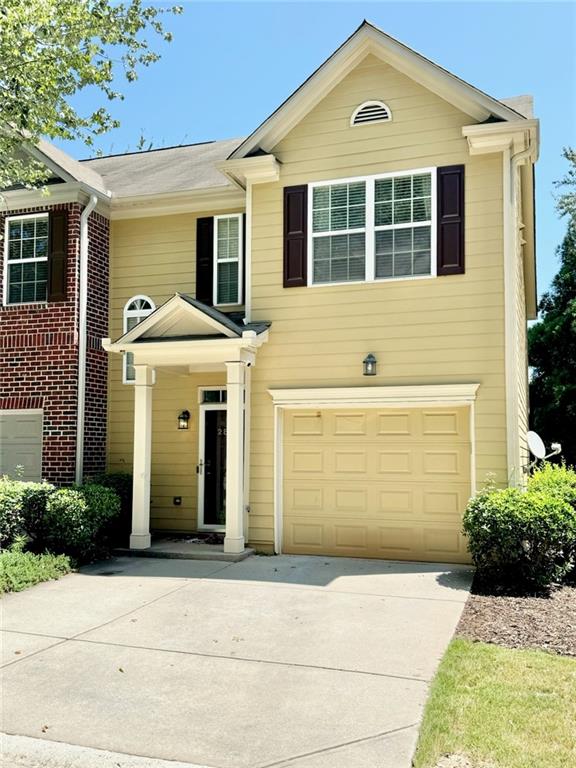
(375, 228)
(228, 247)
(135, 310)
(26, 259)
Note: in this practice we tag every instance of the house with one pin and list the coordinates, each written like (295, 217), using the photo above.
(317, 333)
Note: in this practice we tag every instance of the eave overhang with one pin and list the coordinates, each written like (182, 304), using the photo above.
(54, 194)
(193, 354)
(499, 137)
(189, 201)
(259, 169)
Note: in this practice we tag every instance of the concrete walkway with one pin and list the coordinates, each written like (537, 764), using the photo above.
(269, 663)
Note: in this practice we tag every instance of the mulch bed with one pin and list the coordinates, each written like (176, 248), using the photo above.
(545, 623)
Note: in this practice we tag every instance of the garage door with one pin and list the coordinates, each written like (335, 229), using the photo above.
(21, 445)
(377, 483)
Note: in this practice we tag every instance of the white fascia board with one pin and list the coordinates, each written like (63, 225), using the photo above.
(67, 192)
(189, 352)
(167, 314)
(368, 396)
(46, 160)
(530, 277)
(224, 197)
(255, 170)
(369, 40)
(498, 137)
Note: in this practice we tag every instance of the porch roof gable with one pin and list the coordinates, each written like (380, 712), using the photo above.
(183, 318)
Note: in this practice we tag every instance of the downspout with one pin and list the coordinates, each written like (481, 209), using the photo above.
(511, 164)
(82, 335)
(248, 255)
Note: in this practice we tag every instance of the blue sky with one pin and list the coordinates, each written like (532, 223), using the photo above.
(231, 64)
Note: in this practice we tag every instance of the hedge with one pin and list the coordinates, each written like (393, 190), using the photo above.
(73, 521)
(520, 540)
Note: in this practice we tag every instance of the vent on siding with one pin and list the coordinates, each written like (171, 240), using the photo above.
(370, 112)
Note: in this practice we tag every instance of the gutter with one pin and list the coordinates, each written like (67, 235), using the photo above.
(82, 335)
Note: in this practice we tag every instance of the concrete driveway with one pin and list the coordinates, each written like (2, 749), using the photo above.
(275, 661)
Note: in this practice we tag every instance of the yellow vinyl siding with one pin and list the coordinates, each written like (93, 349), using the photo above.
(174, 451)
(429, 331)
(157, 257)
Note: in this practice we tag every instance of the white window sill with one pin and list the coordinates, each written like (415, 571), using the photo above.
(373, 282)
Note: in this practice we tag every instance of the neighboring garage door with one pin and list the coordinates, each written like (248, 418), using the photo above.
(377, 483)
(21, 445)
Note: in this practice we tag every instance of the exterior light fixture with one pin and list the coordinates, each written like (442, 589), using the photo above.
(183, 419)
(369, 365)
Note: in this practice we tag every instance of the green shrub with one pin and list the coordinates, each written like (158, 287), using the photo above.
(520, 540)
(104, 510)
(121, 483)
(10, 510)
(34, 502)
(77, 520)
(19, 569)
(555, 479)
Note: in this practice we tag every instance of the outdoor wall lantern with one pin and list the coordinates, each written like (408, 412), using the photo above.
(183, 419)
(369, 365)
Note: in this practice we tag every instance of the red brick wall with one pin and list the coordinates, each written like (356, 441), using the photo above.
(39, 352)
(96, 357)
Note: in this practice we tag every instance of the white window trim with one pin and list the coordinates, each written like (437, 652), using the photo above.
(371, 103)
(240, 259)
(215, 388)
(370, 228)
(126, 313)
(19, 217)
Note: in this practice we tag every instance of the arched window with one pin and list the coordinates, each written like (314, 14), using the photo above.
(135, 310)
(371, 112)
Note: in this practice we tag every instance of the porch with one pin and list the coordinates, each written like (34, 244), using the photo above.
(185, 346)
(185, 548)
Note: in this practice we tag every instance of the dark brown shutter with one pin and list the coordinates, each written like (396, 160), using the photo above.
(450, 195)
(295, 235)
(204, 260)
(57, 255)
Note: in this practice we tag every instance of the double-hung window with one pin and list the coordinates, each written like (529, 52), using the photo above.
(228, 255)
(339, 232)
(375, 228)
(26, 259)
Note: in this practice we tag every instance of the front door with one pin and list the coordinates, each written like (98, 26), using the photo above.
(212, 469)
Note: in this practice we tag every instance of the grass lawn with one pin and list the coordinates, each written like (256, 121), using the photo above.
(19, 570)
(503, 707)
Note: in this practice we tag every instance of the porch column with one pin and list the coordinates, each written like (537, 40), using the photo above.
(144, 380)
(234, 538)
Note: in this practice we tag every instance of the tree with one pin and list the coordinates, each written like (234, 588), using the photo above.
(567, 200)
(52, 49)
(552, 354)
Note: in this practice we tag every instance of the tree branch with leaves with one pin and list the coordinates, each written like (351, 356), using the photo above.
(50, 50)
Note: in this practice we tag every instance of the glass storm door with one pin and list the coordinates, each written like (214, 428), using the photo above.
(212, 469)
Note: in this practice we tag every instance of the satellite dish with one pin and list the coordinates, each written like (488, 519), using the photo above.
(536, 445)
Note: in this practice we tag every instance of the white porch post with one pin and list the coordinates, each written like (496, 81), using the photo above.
(140, 536)
(234, 538)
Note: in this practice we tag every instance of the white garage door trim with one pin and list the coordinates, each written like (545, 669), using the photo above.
(415, 396)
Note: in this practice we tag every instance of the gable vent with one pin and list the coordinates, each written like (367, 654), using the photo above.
(370, 112)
